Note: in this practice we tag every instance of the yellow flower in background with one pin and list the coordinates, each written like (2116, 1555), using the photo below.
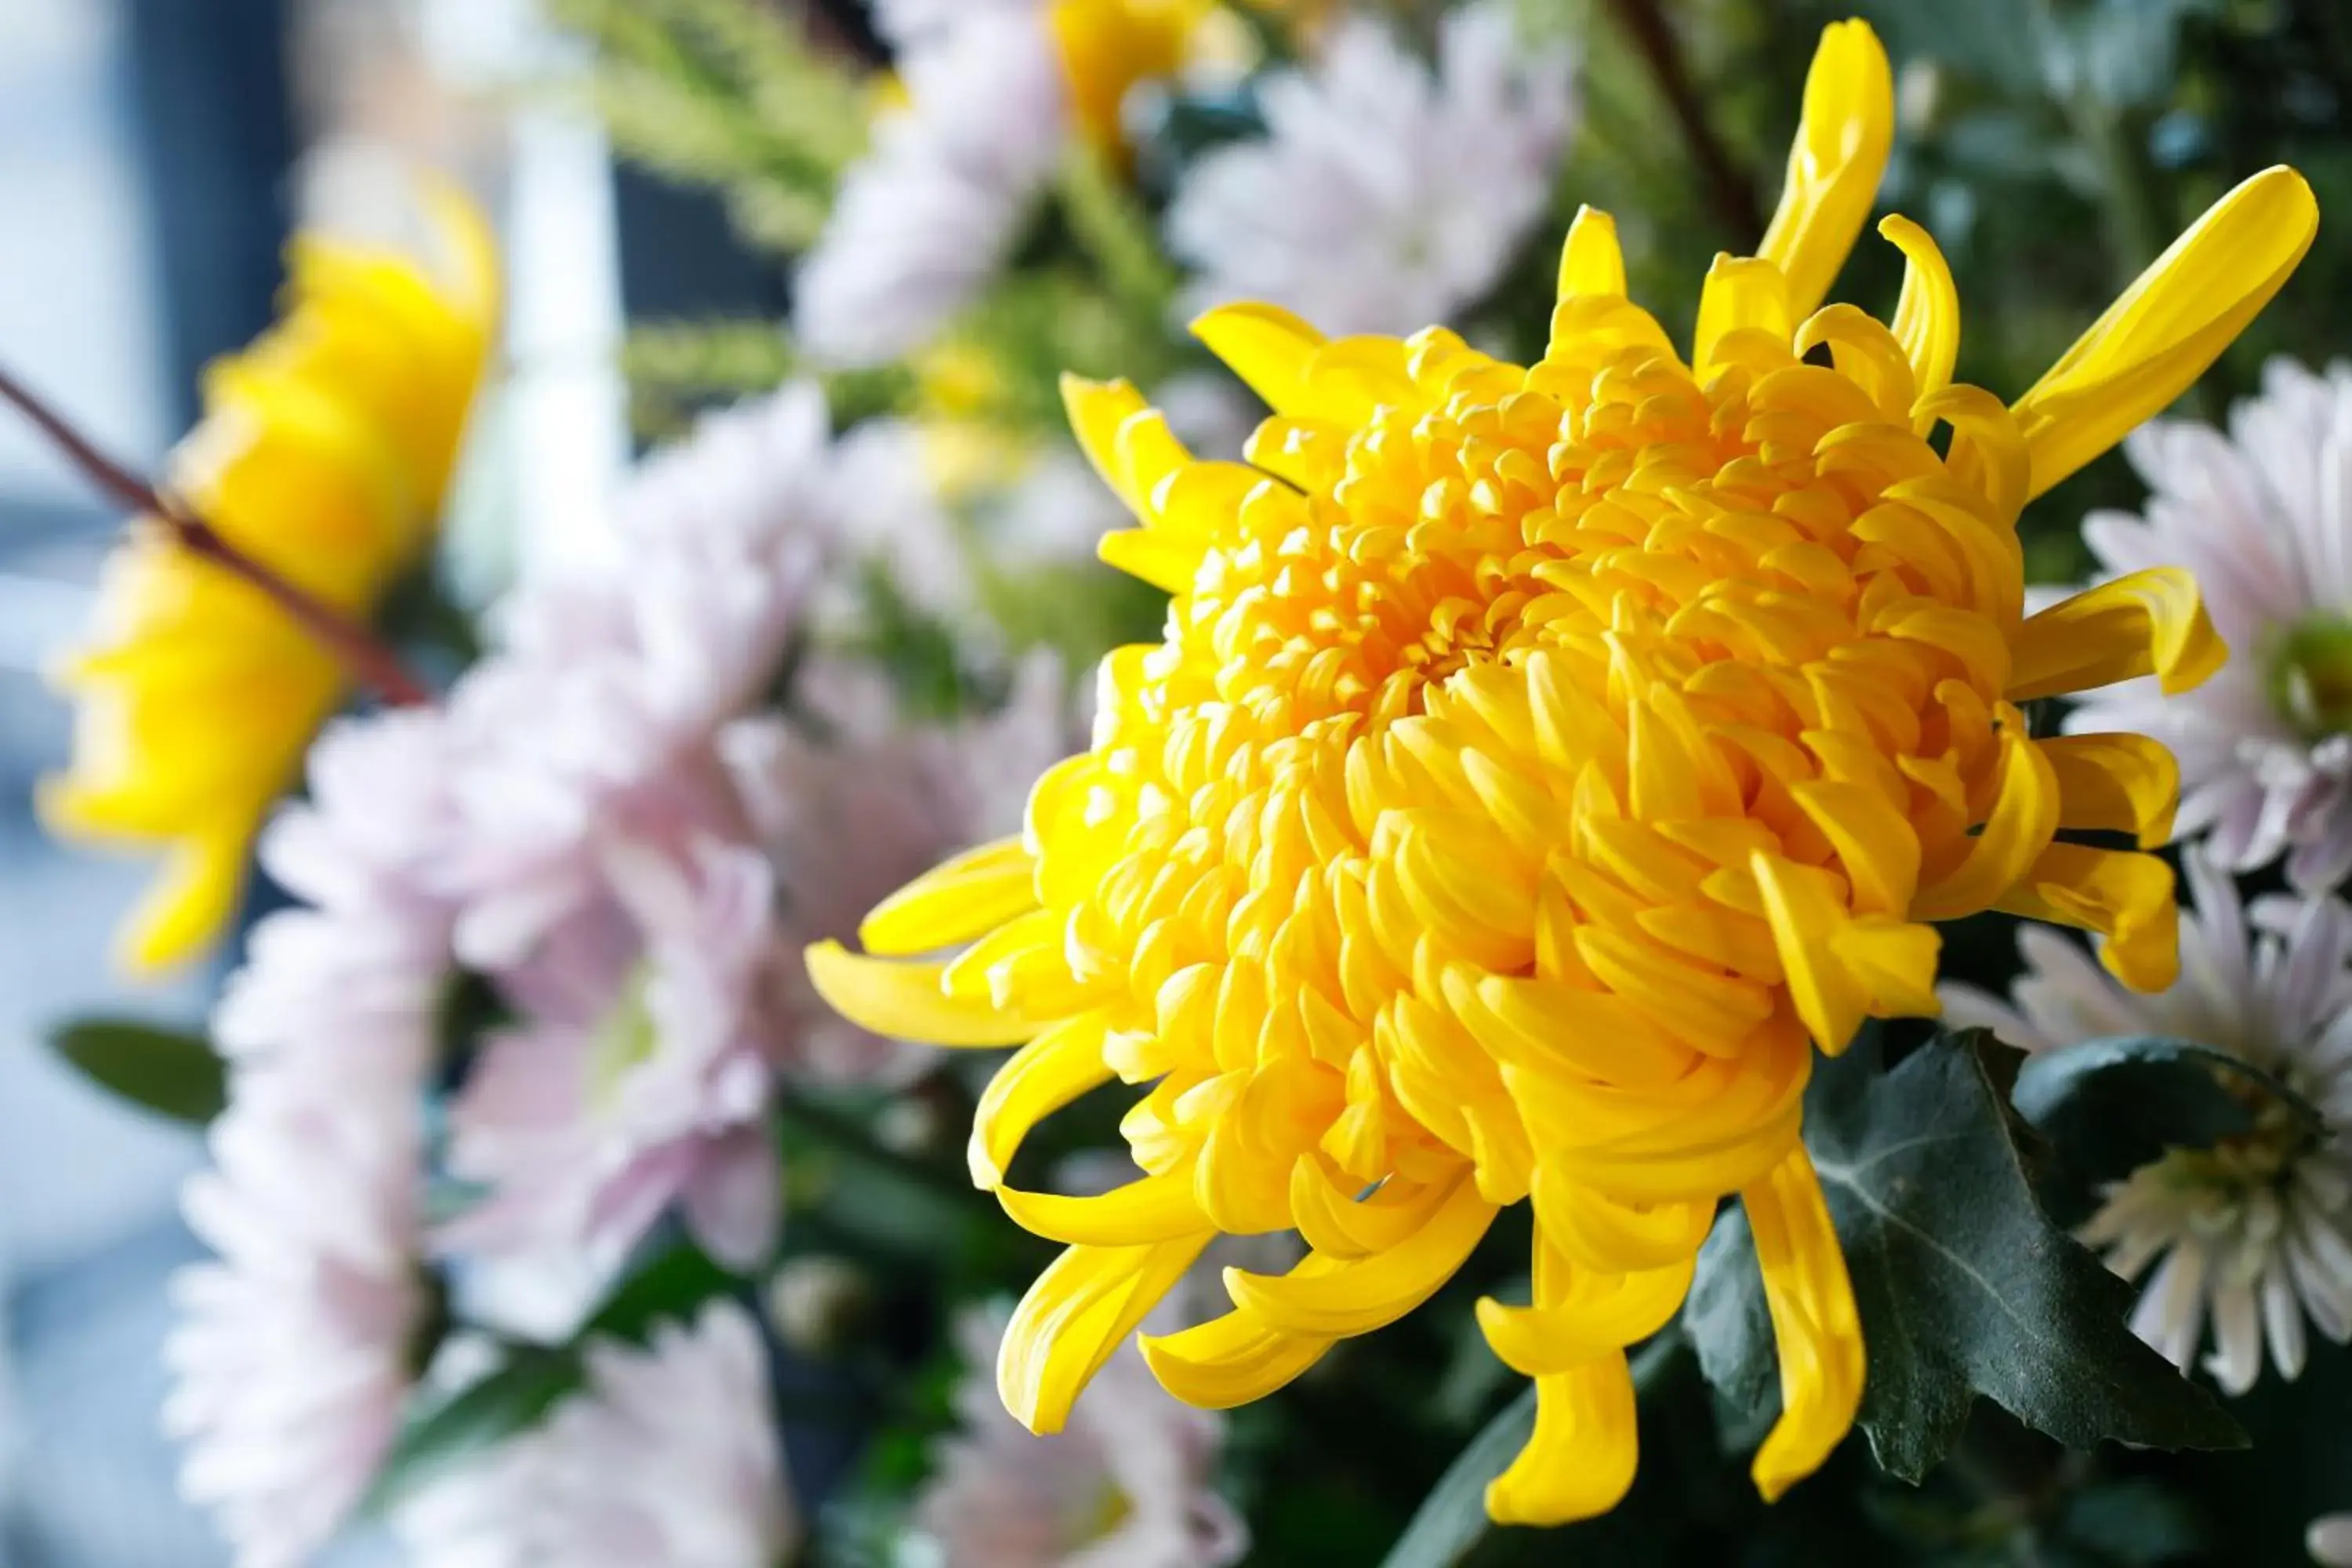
(1539, 763)
(1107, 47)
(323, 454)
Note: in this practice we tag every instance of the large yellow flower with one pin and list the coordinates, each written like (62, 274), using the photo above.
(1534, 760)
(323, 456)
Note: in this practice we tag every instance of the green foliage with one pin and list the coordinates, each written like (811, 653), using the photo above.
(729, 94)
(167, 1071)
(677, 368)
(1965, 1287)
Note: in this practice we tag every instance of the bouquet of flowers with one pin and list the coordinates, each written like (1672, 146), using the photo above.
(1618, 801)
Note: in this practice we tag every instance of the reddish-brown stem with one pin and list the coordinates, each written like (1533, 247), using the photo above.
(365, 657)
(1728, 189)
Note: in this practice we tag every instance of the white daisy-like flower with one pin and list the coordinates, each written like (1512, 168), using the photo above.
(292, 1353)
(1383, 196)
(2252, 1236)
(2263, 516)
(1129, 1483)
(668, 1458)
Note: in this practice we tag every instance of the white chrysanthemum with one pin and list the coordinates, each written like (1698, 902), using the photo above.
(1129, 1483)
(846, 807)
(638, 1075)
(1383, 196)
(2262, 517)
(667, 1459)
(2254, 1236)
(291, 1355)
(929, 215)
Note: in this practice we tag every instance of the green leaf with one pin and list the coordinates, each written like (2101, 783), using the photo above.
(513, 1399)
(671, 1287)
(167, 1071)
(2110, 1106)
(1964, 1285)
(1452, 1518)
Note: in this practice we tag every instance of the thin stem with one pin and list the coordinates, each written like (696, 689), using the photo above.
(369, 661)
(1730, 190)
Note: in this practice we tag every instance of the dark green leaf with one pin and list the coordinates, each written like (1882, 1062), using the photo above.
(1452, 1518)
(510, 1400)
(2110, 1106)
(670, 1288)
(167, 1071)
(1964, 1285)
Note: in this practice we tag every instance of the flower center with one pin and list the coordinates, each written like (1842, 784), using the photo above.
(624, 1039)
(2311, 677)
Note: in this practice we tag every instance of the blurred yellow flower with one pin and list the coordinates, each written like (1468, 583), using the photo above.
(322, 457)
(1536, 760)
(1107, 47)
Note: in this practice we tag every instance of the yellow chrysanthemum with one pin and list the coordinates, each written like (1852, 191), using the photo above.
(323, 456)
(1534, 760)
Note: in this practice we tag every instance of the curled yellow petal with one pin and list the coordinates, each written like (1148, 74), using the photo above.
(2024, 819)
(908, 1001)
(2115, 784)
(1356, 1296)
(2125, 896)
(1230, 1360)
(1927, 312)
(2150, 622)
(1595, 1316)
(1074, 1315)
(1834, 166)
(1041, 1077)
(2170, 325)
(1155, 1208)
(1268, 347)
(1581, 1459)
(1815, 1325)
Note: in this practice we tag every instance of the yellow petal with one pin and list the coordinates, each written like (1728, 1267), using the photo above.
(2173, 321)
(1230, 1360)
(1036, 1080)
(2149, 622)
(2126, 896)
(1073, 1316)
(1156, 1208)
(2024, 818)
(1596, 1316)
(190, 903)
(1268, 347)
(1927, 312)
(908, 1001)
(1815, 1325)
(1589, 261)
(1356, 1296)
(2115, 784)
(1834, 166)
(1581, 1457)
(1804, 912)
(965, 898)
(1742, 293)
